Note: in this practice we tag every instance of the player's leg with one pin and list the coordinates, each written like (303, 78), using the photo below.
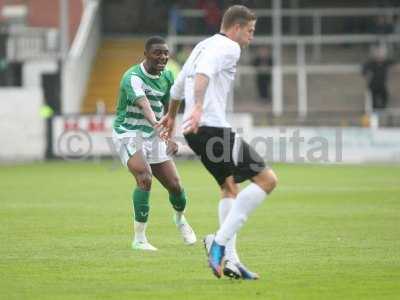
(199, 143)
(130, 151)
(249, 166)
(141, 170)
(267, 181)
(229, 191)
(220, 258)
(376, 103)
(167, 175)
(246, 202)
(384, 96)
(233, 267)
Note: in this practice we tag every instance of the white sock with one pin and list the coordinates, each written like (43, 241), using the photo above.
(246, 202)
(140, 231)
(179, 217)
(225, 205)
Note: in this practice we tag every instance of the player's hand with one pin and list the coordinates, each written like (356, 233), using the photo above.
(167, 126)
(172, 147)
(158, 127)
(191, 125)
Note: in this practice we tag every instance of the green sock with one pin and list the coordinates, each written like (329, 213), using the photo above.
(141, 204)
(178, 201)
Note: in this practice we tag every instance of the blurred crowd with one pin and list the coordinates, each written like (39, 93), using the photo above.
(261, 60)
(389, 24)
(212, 10)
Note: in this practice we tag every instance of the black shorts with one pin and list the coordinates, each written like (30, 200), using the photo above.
(225, 154)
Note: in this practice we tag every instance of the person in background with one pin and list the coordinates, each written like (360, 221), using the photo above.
(375, 71)
(212, 15)
(263, 64)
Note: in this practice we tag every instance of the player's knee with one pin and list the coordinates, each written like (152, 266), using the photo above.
(228, 195)
(229, 192)
(144, 181)
(267, 180)
(229, 189)
(174, 186)
(271, 181)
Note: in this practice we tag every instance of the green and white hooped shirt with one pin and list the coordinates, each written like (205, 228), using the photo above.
(136, 83)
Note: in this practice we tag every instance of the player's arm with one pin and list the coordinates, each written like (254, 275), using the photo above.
(167, 123)
(201, 82)
(200, 86)
(177, 94)
(173, 108)
(206, 65)
(144, 104)
(136, 96)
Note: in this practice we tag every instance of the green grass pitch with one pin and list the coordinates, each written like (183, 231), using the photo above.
(328, 232)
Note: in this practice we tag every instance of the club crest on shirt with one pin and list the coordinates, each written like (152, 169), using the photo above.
(152, 92)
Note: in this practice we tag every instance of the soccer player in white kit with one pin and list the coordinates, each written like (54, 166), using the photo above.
(204, 84)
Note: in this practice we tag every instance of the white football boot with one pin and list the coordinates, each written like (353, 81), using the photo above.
(188, 235)
(143, 245)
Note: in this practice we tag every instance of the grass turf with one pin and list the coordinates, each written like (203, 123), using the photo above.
(328, 232)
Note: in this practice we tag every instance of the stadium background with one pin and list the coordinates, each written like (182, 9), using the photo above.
(331, 230)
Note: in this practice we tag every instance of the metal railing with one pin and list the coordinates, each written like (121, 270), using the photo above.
(302, 68)
(26, 43)
(317, 39)
(315, 15)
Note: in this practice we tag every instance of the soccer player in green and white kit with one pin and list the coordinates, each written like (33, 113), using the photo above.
(143, 94)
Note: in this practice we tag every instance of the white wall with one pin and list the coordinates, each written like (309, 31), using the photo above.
(22, 130)
(327, 144)
(33, 70)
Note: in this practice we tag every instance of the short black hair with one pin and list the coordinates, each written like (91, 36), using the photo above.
(152, 41)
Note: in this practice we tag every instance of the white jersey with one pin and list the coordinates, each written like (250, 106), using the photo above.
(216, 57)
